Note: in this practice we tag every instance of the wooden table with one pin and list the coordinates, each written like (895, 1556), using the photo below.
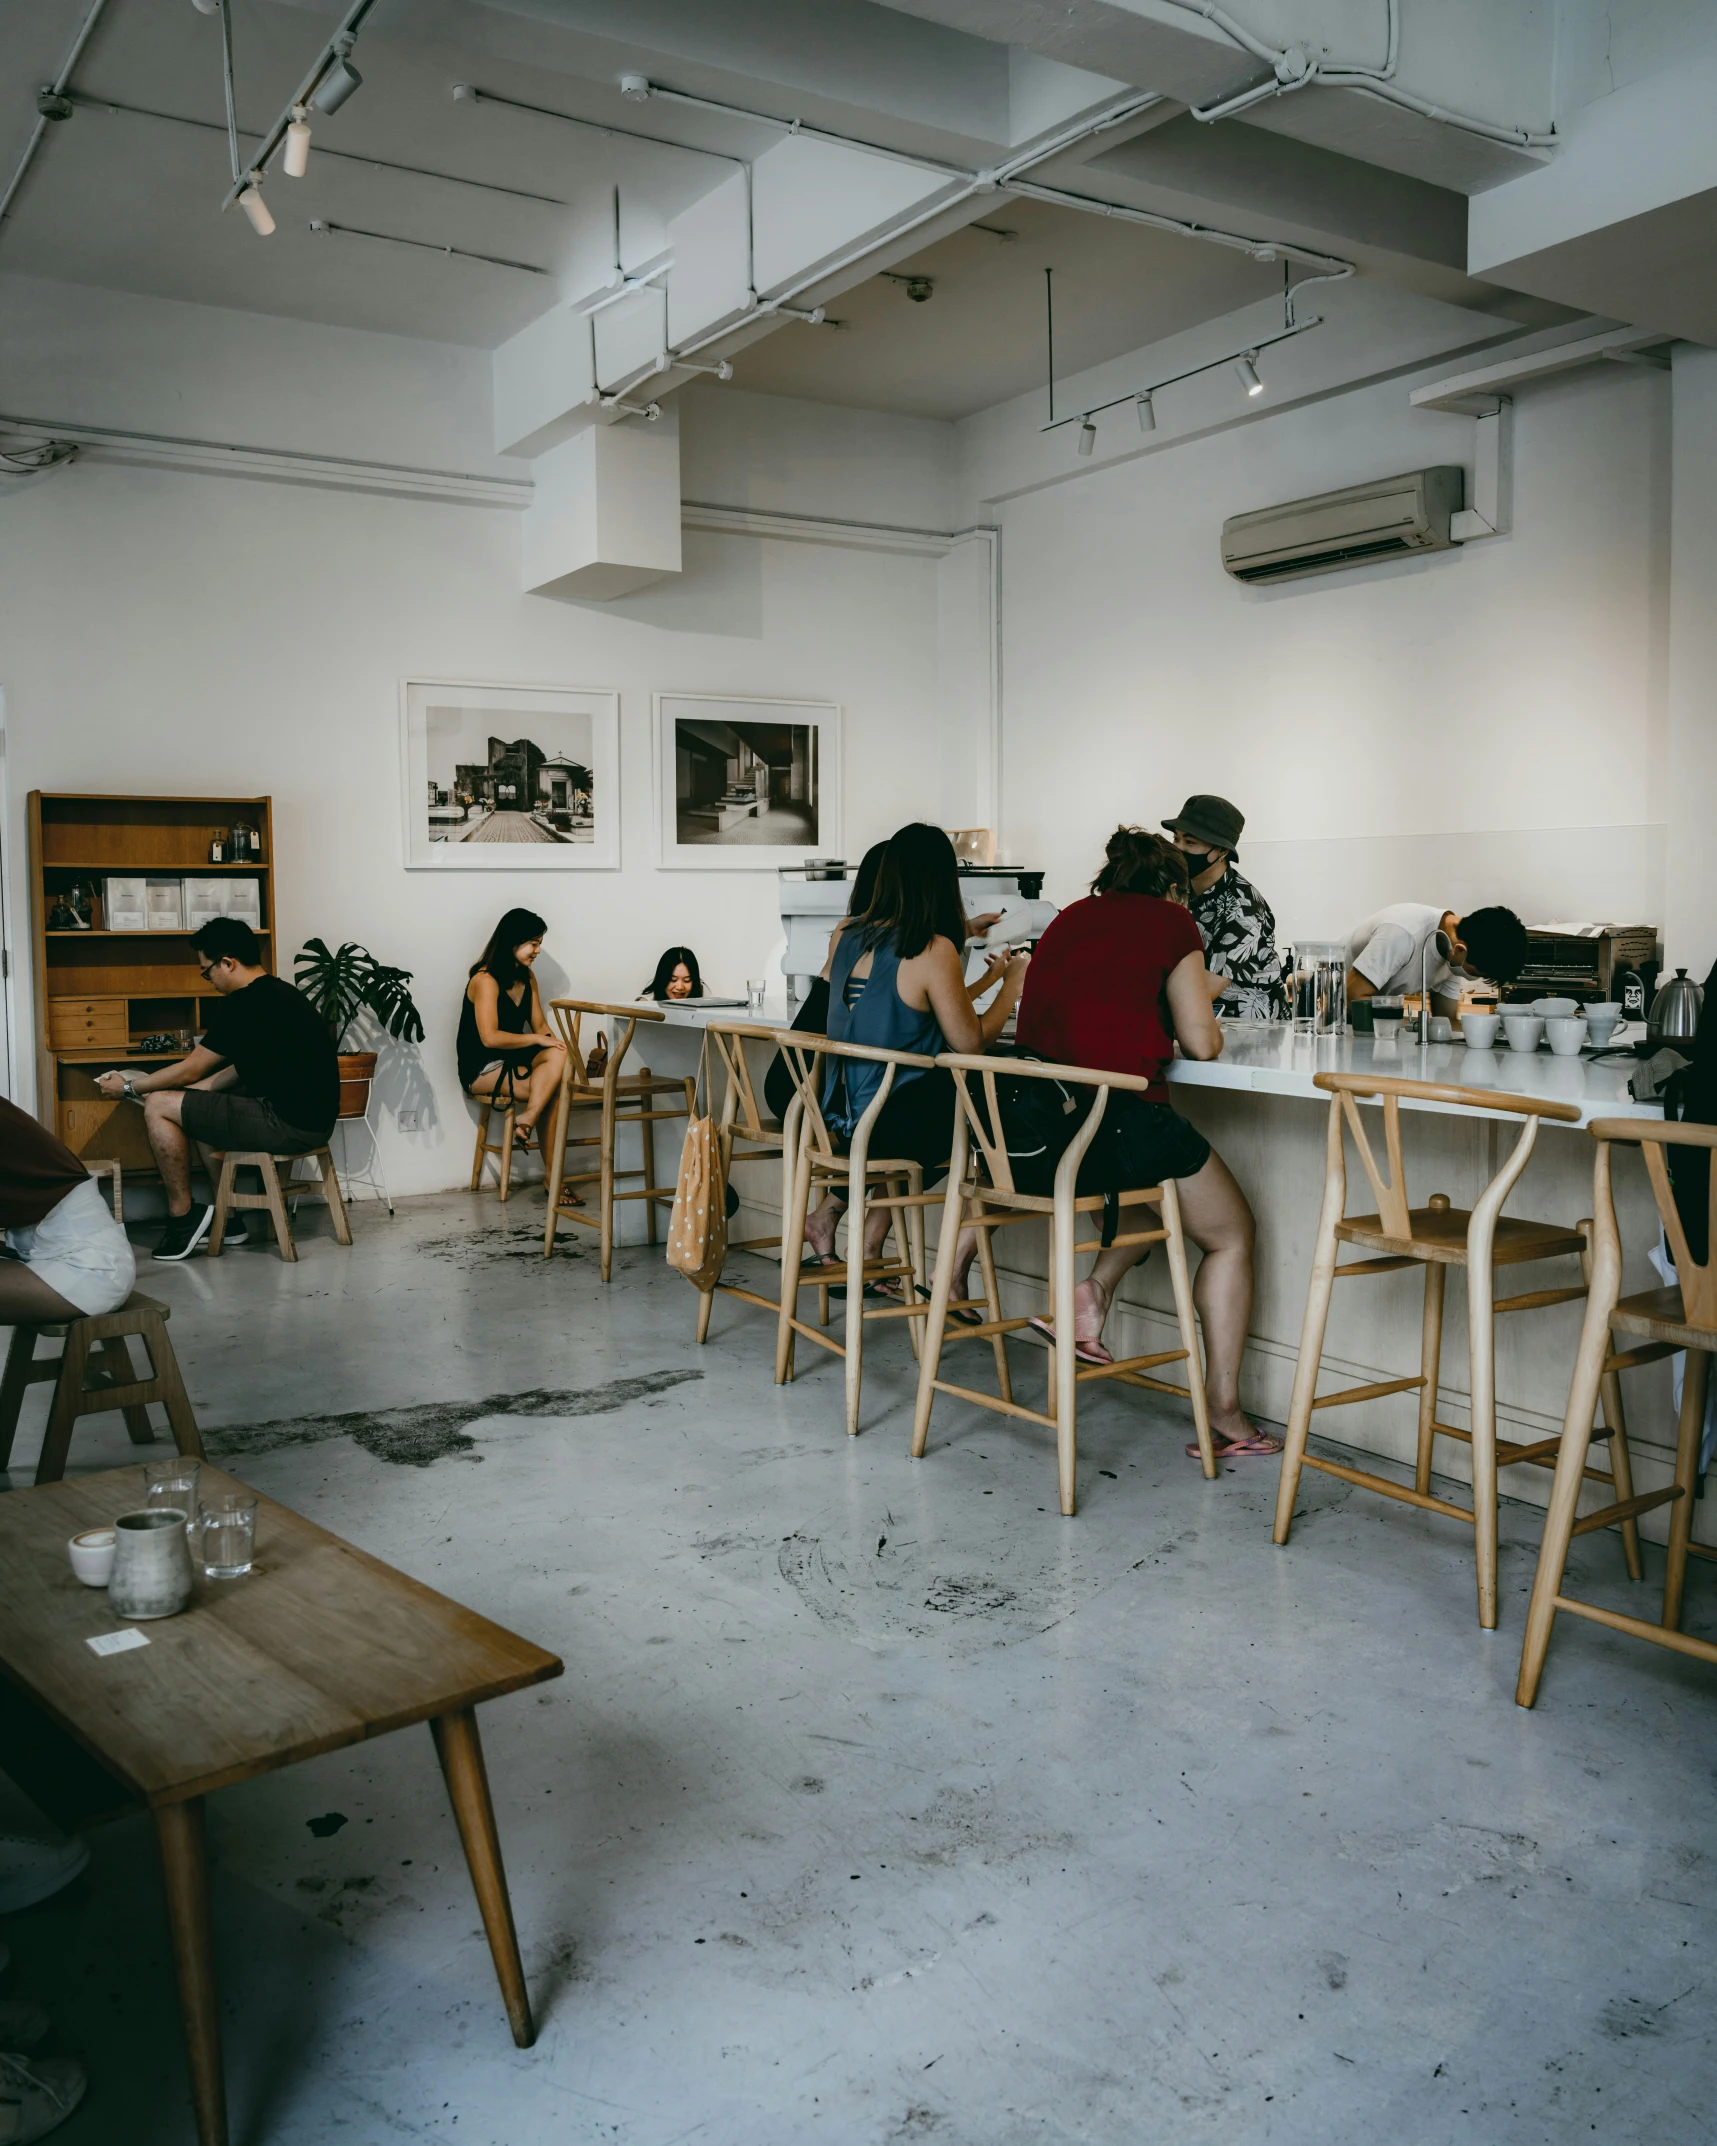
(319, 1647)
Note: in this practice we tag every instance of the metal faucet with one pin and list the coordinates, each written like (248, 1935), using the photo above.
(1443, 946)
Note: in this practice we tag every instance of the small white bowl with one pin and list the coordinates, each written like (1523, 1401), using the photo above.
(1555, 1009)
(91, 1554)
(1525, 1031)
(1478, 1030)
(1567, 1038)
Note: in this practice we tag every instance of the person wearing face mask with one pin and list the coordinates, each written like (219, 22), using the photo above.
(1237, 925)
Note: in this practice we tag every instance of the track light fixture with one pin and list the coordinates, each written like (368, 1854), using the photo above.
(207, 7)
(1246, 365)
(1147, 411)
(1087, 435)
(341, 79)
(296, 161)
(254, 207)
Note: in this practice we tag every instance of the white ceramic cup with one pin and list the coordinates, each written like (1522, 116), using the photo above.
(1442, 1030)
(1603, 1021)
(91, 1554)
(1554, 1009)
(1567, 1038)
(1525, 1031)
(1478, 1030)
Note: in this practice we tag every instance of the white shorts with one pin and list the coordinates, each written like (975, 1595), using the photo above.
(80, 1251)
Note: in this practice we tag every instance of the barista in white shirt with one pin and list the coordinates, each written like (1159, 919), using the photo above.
(1384, 953)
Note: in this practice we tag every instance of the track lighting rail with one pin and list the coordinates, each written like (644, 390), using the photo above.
(332, 55)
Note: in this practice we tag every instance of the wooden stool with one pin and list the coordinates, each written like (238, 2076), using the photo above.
(274, 1196)
(505, 1146)
(1684, 1317)
(981, 1195)
(1436, 1237)
(818, 1164)
(80, 1392)
(619, 1099)
(740, 1120)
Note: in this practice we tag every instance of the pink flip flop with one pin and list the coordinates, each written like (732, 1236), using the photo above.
(1088, 1352)
(1259, 1442)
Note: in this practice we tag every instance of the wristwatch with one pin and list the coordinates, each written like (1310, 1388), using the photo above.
(130, 1088)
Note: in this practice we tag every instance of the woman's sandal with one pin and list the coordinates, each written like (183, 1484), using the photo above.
(1088, 1352)
(1259, 1442)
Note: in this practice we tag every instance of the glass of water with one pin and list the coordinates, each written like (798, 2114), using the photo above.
(754, 990)
(171, 1482)
(227, 1525)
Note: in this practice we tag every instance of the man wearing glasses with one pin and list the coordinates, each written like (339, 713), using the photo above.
(264, 1077)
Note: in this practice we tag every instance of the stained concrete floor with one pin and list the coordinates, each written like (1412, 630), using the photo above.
(878, 1803)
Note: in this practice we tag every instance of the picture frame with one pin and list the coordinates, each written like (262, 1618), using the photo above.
(514, 778)
(745, 782)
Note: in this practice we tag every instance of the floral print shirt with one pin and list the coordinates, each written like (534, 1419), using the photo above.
(1239, 931)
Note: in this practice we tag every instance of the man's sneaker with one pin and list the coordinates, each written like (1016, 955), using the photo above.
(184, 1233)
(35, 1865)
(37, 2097)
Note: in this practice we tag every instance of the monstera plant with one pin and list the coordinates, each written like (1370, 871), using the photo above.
(348, 981)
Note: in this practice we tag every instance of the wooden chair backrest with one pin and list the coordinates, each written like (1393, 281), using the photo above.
(805, 1054)
(569, 1013)
(1394, 1204)
(1652, 1137)
(740, 1110)
(984, 1127)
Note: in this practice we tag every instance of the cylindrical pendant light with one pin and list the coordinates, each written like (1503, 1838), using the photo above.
(253, 205)
(1147, 410)
(1247, 367)
(296, 161)
(1087, 435)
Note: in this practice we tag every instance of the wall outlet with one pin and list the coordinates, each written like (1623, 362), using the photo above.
(408, 1121)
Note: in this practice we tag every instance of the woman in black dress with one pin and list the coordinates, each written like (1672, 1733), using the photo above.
(505, 1041)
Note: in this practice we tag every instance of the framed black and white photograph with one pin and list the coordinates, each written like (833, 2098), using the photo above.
(746, 785)
(515, 778)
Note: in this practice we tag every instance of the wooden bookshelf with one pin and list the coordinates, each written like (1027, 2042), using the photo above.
(98, 991)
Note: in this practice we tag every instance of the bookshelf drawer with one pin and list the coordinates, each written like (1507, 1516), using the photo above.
(76, 1023)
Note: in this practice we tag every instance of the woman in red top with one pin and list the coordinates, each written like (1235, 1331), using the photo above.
(1115, 982)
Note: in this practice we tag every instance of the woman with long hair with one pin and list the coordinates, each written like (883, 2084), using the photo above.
(1117, 980)
(813, 1015)
(677, 977)
(896, 978)
(505, 1042)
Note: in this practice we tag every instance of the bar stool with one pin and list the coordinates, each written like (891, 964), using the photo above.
(80, 1392)
(817, 1164)
(274, 1195)
(981, 1195)
(746, 1135)
(619, 1099)
(505, 1146)
(1436, 1237)
(1684, 1317)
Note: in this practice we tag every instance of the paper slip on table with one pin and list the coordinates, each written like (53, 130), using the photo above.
(320, 1646)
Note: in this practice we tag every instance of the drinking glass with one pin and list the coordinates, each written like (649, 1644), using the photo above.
(755, 987)
(171, 1482)
(227, 1525)
(1320, 987)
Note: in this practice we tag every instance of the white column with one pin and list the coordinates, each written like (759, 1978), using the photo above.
(1690, 906)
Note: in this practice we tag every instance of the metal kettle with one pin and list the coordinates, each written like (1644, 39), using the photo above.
(1674, 1014)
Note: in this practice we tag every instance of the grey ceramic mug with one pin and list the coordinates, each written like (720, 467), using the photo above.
(151, 1564)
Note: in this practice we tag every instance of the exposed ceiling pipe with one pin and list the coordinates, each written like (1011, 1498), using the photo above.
(54, 89)
(322, 227)
(332, 56)
(1294, 67)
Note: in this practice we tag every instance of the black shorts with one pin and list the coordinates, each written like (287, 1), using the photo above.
(511, 1065)
(1138, 1143)
(228, 1118)
(916, 1124)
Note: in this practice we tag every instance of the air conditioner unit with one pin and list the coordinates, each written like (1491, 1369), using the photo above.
(1390, 518)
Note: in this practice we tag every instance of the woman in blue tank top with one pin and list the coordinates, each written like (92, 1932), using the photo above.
(896, 980)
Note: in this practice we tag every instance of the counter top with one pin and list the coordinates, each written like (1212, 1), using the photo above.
(1268, 1057)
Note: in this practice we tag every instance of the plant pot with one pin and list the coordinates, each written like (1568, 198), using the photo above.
(357, 1070)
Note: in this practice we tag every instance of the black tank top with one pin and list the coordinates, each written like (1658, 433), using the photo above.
(511, 1019)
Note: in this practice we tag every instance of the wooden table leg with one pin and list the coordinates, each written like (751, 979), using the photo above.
(461, 1754)
(185, 1874)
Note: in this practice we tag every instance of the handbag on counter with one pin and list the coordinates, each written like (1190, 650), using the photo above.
(697, 1227)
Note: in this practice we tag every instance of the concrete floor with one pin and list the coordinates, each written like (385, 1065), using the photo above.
(879, 1803)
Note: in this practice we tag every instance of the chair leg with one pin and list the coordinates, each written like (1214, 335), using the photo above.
(792, 1252)
(67, 1404)
(993, 1308)
(1565, 1489)
(706, 1304)
(277, 1209)
(647, 1155)
(853, 1364)
(1616, 1425)
(1065, 1361)
(223, 1208)
(557, 1159)
(605, 1186)
(1181, 1281)
(929, 1363)
(174, 1398)
(13, 1386)
(1430, 1369)
(1481, 1345)
(114, 1357)
(1695, 1380)
(1306, 1373)
(335, 1198)
(507, 1151)
(484, 1110)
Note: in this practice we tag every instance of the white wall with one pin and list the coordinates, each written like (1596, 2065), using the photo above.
(162, 630)
(1690, 918)
(1484, 724)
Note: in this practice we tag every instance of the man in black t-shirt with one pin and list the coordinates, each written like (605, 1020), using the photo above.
(264, 1077)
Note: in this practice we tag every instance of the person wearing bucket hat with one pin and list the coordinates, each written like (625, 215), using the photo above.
(1236, 923)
